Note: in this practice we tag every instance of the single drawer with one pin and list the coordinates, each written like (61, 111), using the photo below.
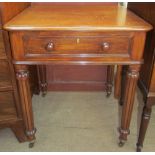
(5, 75)
(7, 106)
(68, 44)
(2, 49)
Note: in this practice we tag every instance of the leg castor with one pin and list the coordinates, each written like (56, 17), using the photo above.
(44, 94)
(121, 143)
(108, 94)
(31, 144)
(139, 148)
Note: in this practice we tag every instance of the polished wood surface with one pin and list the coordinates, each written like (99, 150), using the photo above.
(74, 3)
(10, 10)
(5, 78)
(132, 57)
(76, 77)
(22, 75)
(129, 93)
(117, 82)
(147, 73)
(50, 45)
(2, 48)
(69, 43)
(7, 104)
(77, 18)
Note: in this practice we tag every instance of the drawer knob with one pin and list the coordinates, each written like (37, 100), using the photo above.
(105, 46)
(49, 46)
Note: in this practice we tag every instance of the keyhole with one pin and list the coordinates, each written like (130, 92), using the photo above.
(77, 40)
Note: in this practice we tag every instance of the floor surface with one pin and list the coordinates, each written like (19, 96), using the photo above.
(79, 121)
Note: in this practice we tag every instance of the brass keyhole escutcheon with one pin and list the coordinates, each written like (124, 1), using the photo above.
(77, 40)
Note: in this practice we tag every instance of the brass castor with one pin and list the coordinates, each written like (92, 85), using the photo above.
(139, 148)
(108, 94)
(121, 143)
(44, 94)
(31, 144)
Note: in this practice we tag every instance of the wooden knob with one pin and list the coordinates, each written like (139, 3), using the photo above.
(105, 46)
(49, 46)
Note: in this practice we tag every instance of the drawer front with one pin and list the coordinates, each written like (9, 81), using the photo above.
(5, 75)
(61, 47)
(7, 106)
(2, 49)
(37, 44)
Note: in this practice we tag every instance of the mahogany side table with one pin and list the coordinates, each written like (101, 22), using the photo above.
(88, 34)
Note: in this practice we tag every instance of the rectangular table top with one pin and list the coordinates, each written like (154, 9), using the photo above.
(77, 17)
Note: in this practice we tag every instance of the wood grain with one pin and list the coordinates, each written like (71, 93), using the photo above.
(132, 57)
(2, 48)
(5, 78)
(117, 82)
(73, 3)
(7, 106)
(76, 77)
(69, 43)
(85, 17)
(10, 10)
(22, 75)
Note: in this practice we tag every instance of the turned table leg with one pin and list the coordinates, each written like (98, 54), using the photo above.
(146, 114)
(122, 85)
(129, 93)
(22, 75)
(110, 77)
(42, 79)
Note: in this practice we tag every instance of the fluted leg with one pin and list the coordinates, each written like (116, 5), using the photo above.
(129, 94)
(110, 77)
(123, 84)
(22, 75)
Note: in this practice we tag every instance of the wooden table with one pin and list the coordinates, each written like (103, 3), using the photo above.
(77, 34)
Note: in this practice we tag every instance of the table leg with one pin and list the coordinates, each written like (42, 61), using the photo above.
(22, 75)
(42, 79)
(110, 77)
(144, 124)
(129, 93)
(123, 84)
(117, 82)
